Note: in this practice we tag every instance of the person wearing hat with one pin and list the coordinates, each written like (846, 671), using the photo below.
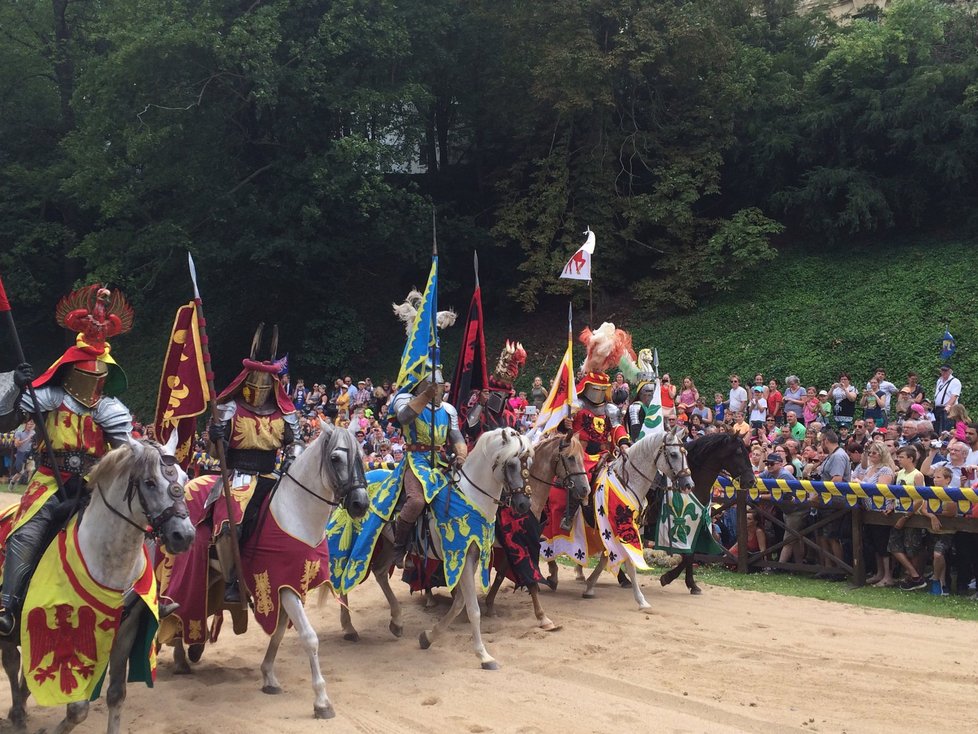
(826, 408)
(82, 419)
(947, 392)
(758, 407)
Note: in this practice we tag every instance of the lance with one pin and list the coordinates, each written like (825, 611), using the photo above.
(434, 349)
(21, 359)
(221, 457)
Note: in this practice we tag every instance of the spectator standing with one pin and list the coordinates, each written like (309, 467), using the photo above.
(958, 420)
(872, 402)
(876, 467)
(737, 401)
(23, 443)
(704, 413)
(775, 402)
(947, 392)
(688, 396)
(835, 468)
(538, 393)
(719, 408)
(794, 397)
(909, 394)
(844, 395)
(668, 395)
(796, 429)
(299, 399)
(758, 408)
(888, 388)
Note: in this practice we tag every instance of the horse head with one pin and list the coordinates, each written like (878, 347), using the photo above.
(510, 453)
(569, 467)
(670, 461)
(737, 462)
(341, 467)
(157, 481)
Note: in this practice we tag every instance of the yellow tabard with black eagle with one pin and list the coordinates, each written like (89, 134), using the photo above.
(70, 621)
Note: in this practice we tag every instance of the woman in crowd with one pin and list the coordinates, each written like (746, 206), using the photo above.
(688, 396)
(844, 395)
(873, 401)
(876, 467)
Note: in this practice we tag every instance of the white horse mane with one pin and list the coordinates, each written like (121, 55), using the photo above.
(503, 444)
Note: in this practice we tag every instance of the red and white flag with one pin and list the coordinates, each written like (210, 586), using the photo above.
(579, 266)
(563, 393)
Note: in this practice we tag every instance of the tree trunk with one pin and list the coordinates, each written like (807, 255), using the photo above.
(64, 72)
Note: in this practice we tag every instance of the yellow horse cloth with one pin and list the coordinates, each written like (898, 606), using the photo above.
(70, 622)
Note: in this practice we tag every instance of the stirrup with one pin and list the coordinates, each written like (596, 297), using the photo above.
(399, 554)
(8, 622)
(232, 594)
(566, 522)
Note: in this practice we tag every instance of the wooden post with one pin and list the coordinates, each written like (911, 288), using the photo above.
(742, 531)
(858, 559)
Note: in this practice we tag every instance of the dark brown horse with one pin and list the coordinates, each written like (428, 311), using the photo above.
(708, 457)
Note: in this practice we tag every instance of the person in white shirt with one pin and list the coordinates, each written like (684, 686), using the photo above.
(738, 395)
(887, 387)
(947, 392)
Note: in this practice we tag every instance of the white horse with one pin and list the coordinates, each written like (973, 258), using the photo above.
(494, 473)
(635, 469)
(327, 474)
(135, 485)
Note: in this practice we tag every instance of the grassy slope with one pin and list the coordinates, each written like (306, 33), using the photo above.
(814, 315)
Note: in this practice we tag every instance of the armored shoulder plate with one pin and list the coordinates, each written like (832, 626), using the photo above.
(612, 414)
(114, 418)
(9, 392)
(225, 411)
(48, 398)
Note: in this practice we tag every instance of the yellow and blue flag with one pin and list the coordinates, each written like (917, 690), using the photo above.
(421, 343)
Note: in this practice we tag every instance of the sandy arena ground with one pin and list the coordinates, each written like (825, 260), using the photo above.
(728, 661)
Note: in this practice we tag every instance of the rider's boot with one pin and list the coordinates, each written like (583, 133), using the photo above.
(21, 558)
(402, 536)
(131, 598)
(232, 594)
(568, 519)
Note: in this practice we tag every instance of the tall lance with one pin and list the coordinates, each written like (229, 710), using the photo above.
(435, 347)
(21, 359)
(222, 459)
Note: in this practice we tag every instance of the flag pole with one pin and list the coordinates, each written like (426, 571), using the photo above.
(221, 457)
(590, 304)
(433, 319)
(21, 359)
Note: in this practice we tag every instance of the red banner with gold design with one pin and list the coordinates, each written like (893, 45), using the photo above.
(183, 391)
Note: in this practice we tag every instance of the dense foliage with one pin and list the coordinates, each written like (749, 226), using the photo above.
(296, 147)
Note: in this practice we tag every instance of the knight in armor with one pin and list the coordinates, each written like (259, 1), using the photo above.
(639, 409)
(597, 421)
(489, 409)
(256, 419)
(430, 425)
(82, 420)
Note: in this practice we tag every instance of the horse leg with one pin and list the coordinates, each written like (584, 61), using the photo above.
(18, 691)
(545, 623)
(292, 604)
(497, 582)
(471, 596)
(579, 574)
(75, 713)
(640, 599)
(690, 581)
(180, 662)
(270, 684)
(552, 576)
(429, 636)
(593, 578)
(350, 633)
(673, 573)
(396, 626)
(118, 665)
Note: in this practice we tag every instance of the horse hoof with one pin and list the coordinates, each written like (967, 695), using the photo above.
(491, 665)
(195, 652)
(17, 718)
(271, 690)
(664, 580)
(695, 590)
(352, 637)
(184, 669)
(424, 641)
(323, 712)
(396, 629)
(587, 595)
(647, 609)
(551, 584)
(549, 626)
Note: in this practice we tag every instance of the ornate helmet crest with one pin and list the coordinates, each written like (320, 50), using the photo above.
(605, 346)
(511, 360)
(97, 313)
(409, 309)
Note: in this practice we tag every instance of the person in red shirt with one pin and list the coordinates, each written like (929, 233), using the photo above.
(775, 402)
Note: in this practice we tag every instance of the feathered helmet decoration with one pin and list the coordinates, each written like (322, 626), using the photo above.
(409, 309)
(96, 313)
(511, 360)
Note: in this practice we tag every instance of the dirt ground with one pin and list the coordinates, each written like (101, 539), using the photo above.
(727, 661)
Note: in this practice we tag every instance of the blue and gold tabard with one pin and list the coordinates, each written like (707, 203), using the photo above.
(418, 434)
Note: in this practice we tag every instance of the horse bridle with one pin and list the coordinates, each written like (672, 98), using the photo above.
(628, 466)
(359, 478)
(174, 489)
(567, 481)
(509, 493)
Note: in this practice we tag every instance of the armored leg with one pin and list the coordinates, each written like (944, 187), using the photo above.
(572, 506)
(24, 548)
(413, 507)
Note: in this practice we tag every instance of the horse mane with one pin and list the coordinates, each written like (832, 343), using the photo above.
(508, 447)
(698, 450)
(572, 439)
(119, 461)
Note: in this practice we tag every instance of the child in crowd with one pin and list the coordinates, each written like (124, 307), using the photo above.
(719, 408)
(941, 538)
(957, 414)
